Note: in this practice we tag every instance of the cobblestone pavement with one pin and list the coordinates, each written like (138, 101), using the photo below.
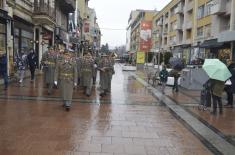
(130, 121)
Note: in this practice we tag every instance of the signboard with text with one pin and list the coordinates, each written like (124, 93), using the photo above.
(140, 58)
(145, 36)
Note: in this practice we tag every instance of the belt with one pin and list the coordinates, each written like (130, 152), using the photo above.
(50, 63)
(66, 74)
(86, 70)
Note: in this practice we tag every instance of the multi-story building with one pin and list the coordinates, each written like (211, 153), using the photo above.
(193, 29)
(144, 18)
(132, 17)
(223, 27)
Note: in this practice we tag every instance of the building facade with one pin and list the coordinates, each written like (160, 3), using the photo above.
(195, 29)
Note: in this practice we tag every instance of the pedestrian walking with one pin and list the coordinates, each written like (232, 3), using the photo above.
(217, 88)
(66, 76)
(105, 80)
(176, 75)
(49, 62)
(86, 73)
(21, 63)
(163, 78)
(3, 68)
(229, 91)
(32, 62)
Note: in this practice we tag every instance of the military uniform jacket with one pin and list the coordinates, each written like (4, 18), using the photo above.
(105, 75)
(49, 62)
(66, 74)
(86, 71)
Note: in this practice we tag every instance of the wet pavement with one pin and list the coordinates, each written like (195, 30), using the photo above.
(188, 100)
(129, 121)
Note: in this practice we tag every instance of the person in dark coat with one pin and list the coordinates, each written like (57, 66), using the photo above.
(229, 90)
(163, 78)
(32, 62)
(3, 69)
(217, 88)
(176, 75)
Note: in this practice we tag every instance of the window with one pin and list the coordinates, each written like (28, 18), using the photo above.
(201, 11)
(208, 31)
(1, 3)
(200, 31)
(209, 6)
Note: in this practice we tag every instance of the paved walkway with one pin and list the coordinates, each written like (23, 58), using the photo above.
(130, 121)
(222, 125)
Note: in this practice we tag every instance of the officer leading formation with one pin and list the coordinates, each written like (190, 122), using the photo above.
(63, 69)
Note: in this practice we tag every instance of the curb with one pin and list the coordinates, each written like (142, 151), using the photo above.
(214, 142)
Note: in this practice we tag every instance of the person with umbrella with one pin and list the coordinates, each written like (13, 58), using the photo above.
(218, 73)
(177, 65)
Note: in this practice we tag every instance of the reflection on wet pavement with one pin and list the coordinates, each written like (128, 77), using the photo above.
(129, 124)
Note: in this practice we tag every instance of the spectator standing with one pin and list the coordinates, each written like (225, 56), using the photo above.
(3, 68)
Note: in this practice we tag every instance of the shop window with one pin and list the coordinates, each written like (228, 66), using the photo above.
(2, 37)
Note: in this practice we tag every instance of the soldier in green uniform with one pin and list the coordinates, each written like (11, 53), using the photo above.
(111, 69)
(66, 75)
(86, 73)
(104, 66)
(49, 62)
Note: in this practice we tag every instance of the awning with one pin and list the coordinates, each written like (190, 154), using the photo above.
(213, 43)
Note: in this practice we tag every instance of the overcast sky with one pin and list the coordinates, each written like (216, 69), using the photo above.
(114, 14)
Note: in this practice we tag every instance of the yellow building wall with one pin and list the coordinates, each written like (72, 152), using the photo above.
(149, 16)
(204, 21)
(173, 18)
(173, 33)
(201, 2)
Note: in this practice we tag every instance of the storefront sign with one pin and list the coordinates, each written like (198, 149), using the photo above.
(140, 58)
(145, 35)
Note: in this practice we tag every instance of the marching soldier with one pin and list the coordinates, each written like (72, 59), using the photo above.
(111, 69)
(87, 69)
(105, 81)
(66, 75)
(49, 62)
(96, 62)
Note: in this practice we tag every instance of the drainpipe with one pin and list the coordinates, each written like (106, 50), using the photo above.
(232, 28)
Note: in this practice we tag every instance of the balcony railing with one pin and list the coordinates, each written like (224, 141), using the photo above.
(44, 9)
(219, 7)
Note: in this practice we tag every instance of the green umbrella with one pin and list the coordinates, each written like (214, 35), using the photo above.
(216, 69)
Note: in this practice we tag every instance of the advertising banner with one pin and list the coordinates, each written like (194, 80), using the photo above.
(145, 36)
(140, 58)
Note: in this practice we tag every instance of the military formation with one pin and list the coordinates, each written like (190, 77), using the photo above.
(63, 69)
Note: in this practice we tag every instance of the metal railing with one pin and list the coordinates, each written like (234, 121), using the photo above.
(44, 9)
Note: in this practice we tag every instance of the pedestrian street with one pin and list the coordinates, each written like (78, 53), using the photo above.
(130, 120)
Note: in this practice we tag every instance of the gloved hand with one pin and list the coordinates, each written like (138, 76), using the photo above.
(55, 82)
(75, 84)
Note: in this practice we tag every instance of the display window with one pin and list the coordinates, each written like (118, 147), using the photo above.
(2, 37)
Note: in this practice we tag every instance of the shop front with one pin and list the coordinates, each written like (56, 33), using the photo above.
(47, 39)
(3, 31)
(23, 35)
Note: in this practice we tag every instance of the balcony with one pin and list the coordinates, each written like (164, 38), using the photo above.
(26, 5)
(159, 23)
(67, 6)
(188, 25)
(43, 13)
(219, 7)
(189, 6)
(179, 9)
